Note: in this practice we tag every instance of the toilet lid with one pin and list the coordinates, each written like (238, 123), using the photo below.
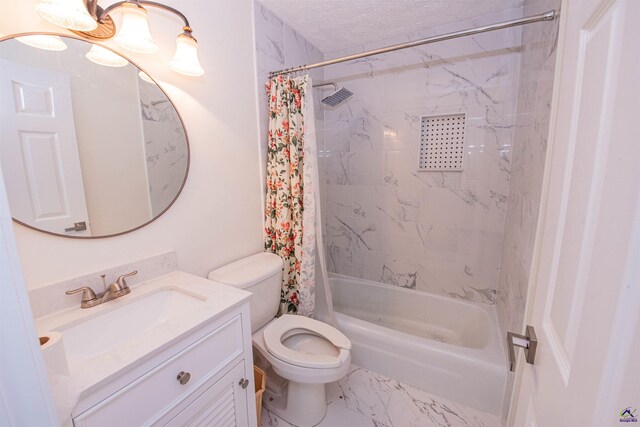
(279, 327)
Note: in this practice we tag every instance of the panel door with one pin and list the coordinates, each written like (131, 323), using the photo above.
(586, 273)
(39, 152)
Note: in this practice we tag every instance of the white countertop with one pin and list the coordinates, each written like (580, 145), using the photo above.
(89, 374)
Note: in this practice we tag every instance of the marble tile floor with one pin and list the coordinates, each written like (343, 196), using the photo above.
(367, 399)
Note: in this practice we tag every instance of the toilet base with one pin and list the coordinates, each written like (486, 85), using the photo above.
(303, 405)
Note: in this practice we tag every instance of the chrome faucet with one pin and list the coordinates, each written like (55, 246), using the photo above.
(117, 289)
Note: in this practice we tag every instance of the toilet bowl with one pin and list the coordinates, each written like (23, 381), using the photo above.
(301, 354)
(306, 343)
(308, 354)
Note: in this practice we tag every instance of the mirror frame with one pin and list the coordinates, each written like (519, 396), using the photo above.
(186, 136)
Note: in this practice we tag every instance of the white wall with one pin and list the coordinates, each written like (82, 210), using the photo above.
(218, 216)
(111, 147)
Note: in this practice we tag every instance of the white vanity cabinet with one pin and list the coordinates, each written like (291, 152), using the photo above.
(203, 379)
(221, 405)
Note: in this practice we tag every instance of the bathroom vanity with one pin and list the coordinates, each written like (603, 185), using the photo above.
(175, 351)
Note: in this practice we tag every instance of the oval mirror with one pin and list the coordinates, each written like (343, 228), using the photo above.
(90, 145)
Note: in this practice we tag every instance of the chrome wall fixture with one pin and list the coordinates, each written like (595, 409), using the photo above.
(87, 19)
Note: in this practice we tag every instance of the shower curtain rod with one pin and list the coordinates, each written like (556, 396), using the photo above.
(548, 16)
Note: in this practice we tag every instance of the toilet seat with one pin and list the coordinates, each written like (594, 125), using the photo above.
(278, 328)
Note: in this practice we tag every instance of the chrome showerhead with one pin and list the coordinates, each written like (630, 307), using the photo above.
(338, 96)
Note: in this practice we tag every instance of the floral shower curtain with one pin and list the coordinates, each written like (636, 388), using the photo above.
(290, 214)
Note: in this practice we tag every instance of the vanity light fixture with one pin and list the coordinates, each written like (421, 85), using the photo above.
(45, 42)
(185, 61)
(133, 34)
(71, 14)
(101, 56)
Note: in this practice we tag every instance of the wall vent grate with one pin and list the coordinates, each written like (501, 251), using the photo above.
(442, 142)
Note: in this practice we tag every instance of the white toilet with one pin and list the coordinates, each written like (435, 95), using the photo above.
(302, 354)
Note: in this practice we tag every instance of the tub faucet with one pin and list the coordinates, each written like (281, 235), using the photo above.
(117, 289)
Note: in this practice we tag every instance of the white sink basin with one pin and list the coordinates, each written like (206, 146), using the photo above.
(120, 321)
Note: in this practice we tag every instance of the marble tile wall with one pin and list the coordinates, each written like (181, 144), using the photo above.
(165, 150)
(528, 159)
(537, 69)
(438, 232)
(277, 47)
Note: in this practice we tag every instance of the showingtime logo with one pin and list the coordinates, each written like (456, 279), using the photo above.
(628, 415)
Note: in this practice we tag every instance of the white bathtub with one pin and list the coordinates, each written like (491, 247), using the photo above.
(445, 346)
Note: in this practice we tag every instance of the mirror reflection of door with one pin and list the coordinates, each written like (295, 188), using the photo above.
(39, 152)
(86, 141)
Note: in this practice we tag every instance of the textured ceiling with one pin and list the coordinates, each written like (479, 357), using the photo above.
(338, 24)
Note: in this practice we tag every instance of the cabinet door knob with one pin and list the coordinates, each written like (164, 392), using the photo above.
(184, 377)
(244, 382)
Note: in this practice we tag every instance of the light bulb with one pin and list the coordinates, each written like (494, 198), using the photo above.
(41, 41)
(185, 61)
(134, 32)
(144, 76)
(102, 56)
(71, 14)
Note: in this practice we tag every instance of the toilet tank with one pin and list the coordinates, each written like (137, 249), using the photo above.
(260, 274)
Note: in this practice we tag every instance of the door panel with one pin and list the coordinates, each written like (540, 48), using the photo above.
(45, 180)
(39, 152)
(585, 262)
(588, 149)
(33, 99)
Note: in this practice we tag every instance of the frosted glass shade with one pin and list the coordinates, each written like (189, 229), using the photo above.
(45, 42)
(185, 61)
(134, 34)
(102, 56)
(71, 14)
(144, 76)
